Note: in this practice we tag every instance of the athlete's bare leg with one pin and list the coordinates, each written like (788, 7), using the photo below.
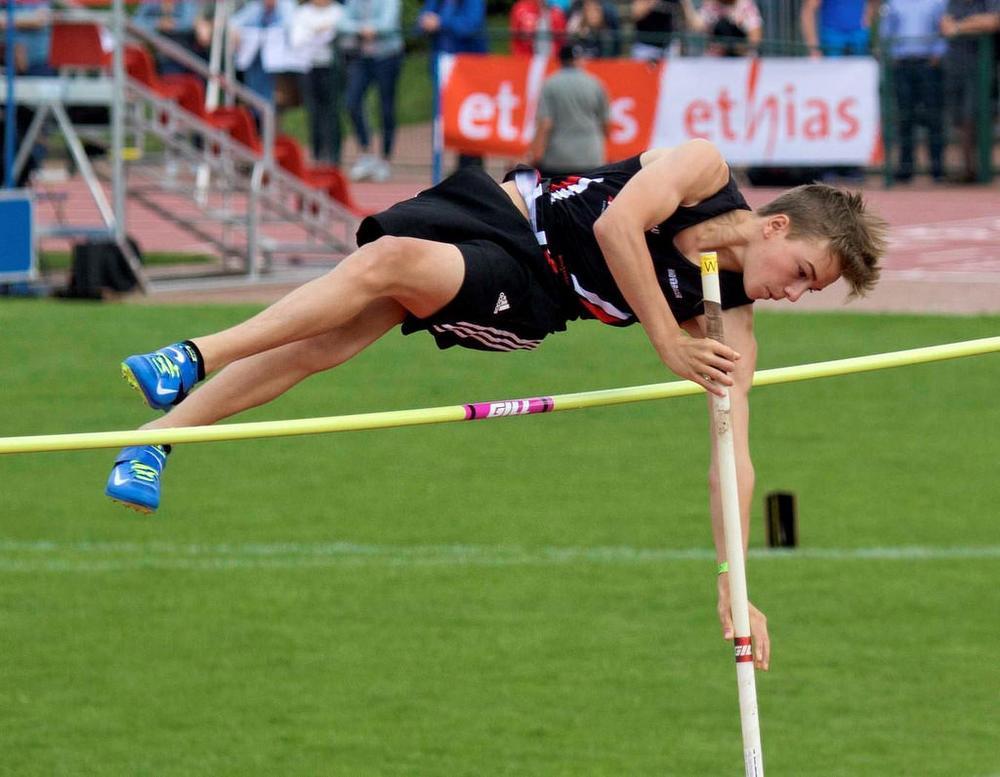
(255, 380)
(420, 275)
(316, 327)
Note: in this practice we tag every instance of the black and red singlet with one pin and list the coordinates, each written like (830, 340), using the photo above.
(566, 210)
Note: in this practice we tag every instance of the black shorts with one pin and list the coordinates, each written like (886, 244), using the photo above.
(508, 299)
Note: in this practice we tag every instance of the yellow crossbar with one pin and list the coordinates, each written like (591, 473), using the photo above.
(478, 410)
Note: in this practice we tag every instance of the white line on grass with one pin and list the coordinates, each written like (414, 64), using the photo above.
(61, 556)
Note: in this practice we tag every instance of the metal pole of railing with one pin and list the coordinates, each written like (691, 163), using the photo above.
(229, 64)
(9, 138)
(984, 117)
(437, 120)
(118, 121)
(253, 209)
(219, 22)
(263, 168)
(888, 106)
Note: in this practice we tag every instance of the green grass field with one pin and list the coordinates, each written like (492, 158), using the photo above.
(532, 596)
(63, 260)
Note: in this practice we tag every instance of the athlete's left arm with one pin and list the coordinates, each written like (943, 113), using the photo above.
(669, 178)
(738, 328)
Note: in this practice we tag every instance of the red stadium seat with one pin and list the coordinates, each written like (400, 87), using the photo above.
(339, 190)
(290, 156)
(77, 45)
(192, 99)
(187, 90)
(243, 128)
(140, 65)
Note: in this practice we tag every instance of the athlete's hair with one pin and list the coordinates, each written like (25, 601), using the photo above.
(858, 237)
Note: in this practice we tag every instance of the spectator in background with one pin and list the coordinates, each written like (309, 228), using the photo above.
(733, 27)
(536, 27)
(204, 25)
(254, 31)
(843, 31)
(32, 35)
(843, 28)
(454, 27)
(964, 24)
(174, 19)
(915, 48)
(572, 121)
(314, 26)
(657, 22)
(373, 45)
(594, 25)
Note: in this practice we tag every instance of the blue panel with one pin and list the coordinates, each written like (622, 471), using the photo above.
(17, 252)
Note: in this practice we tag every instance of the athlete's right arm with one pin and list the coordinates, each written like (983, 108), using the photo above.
(669, 178)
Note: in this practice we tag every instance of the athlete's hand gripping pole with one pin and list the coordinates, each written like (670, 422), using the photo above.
(725, 458)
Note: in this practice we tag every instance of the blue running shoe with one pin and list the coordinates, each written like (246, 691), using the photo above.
(135, 478)
(164, 377)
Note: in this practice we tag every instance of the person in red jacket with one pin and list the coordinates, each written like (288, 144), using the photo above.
(536, 27)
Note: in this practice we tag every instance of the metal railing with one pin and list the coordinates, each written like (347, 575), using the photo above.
(239, 189)
(250, 191)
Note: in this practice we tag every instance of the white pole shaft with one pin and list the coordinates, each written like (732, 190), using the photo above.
(725, 458)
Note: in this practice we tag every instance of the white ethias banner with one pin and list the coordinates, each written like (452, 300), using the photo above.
(779, 111)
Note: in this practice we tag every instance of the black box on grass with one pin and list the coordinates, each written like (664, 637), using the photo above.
(782, 520)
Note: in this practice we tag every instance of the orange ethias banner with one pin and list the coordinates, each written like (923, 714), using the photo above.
(488, 102)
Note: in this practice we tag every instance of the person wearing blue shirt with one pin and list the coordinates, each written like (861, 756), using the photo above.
(32, 35)
(843, 26)
(911, 30)
(843, 31)
(454, 27)
(32, 32)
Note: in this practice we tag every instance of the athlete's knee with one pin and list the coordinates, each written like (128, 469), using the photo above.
(381, 263)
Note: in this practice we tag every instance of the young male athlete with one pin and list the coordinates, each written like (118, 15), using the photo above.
(499, 266)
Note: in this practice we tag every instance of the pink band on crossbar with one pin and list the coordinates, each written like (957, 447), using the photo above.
(508, 407)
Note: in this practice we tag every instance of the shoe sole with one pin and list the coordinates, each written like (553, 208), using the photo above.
(131, 379)
(133, 507)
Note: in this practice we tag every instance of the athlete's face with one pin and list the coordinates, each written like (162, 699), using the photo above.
(779, 267)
